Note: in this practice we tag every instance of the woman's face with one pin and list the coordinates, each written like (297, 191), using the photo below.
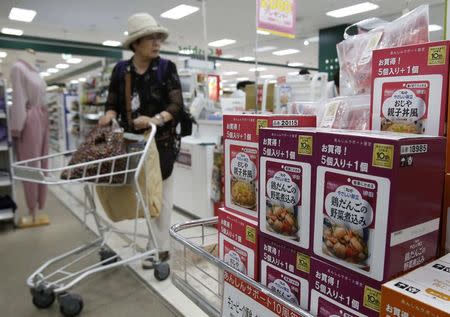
(149, 46)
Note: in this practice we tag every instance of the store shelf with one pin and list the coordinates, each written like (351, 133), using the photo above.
(92, 116)
(6, 214)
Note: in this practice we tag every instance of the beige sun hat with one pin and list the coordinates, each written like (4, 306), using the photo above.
(142, 24)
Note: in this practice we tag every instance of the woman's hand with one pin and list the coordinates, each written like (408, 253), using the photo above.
(107, 118)
(143, 122)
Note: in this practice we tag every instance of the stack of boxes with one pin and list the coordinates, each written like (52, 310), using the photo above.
(358, 191)
(238, 221)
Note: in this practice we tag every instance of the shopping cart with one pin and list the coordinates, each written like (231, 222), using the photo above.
(74, 266)
(199, 274)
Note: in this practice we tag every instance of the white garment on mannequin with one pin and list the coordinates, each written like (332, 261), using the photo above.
(162, 224)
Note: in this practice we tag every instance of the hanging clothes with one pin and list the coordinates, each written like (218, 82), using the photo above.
(30, 125)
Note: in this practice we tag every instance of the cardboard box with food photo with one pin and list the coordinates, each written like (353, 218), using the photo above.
(285, 270)
(286, 177)
(340, 293)
(241, 135)
(366, 191)
(410, 88)
(238, 243)
(422, 292)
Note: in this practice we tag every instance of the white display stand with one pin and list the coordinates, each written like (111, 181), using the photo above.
(192, 173)
(212, 129)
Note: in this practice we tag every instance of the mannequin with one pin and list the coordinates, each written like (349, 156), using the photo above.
(30, 129)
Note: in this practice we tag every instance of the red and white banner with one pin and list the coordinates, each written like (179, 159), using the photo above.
(277, 16)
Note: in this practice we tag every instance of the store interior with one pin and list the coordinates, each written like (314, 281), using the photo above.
(75, 46)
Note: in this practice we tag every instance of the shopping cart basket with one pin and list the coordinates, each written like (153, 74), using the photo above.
(73, 266)
(199, 274)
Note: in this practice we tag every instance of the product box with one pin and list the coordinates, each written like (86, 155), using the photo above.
(286, 177)
(378, 201)
(410, 88)
(285, 270)
(241, 141)
(420, 293)
(445, 221)
(337, 292)
(250, 97)
(238, 242)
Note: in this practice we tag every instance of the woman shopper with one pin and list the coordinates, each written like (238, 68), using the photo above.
(156, 98)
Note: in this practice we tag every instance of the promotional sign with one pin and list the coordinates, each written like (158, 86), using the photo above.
(243, 299)
(277, 17)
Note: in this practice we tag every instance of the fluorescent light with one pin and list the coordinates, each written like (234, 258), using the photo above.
(218, 64)
(265, 49)
(306, 42)
(295, 64)
(62, 66)
(242, 78)
(313, 39)
(231, 73)
(247, 59)
(186, 52)
(22, 15)
(9, 90)
(74, 81)
(82, 79)
(351, 10)
(221, 43)
(261, 32)
(3, 54)
(111, 43)
(44, 74)
(267, 76)
(224, 81)
(227, 56)
(273, 81)
(289, 51)
(179, 12)
(52, 70)
(66, 56)
(259, 69)
(125, 33)
(293, 73)
(74, 60)
(434, 27)
(10, 31)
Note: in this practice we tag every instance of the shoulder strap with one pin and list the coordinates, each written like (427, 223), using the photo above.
(162, 69)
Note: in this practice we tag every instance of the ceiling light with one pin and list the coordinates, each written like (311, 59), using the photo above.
(267, 76)
(227, 56)
(273, 81)
(62, 66)
(82, 79)
(224, 81)
(218, 64)
(111, 43)
(242, 78)
(434, 27)
(125, 33)
(306, 42)
(74, 81)
(52, 70)
(313, 39)
(293, 73)
(186, 52)
(9, 90)
(44, 74)
(229, 73)
(295, 64)
(10, 31)
(247, 59)
(3, 54)
(221, 43)
(261, 32)
(259, 69)
(66, 56)
(289, 51)
(74, 60)
(265, 49)
(351, 10)
(22, 15)
(179, 12)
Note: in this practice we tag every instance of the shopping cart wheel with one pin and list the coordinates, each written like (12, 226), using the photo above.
(42, 298)
(105, 254)
(70, 305)
(162, 271)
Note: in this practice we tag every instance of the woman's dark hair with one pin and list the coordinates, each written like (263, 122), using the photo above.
(135, 42)
(242, 84)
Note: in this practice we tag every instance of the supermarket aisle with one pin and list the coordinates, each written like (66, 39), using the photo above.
(114, 293)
